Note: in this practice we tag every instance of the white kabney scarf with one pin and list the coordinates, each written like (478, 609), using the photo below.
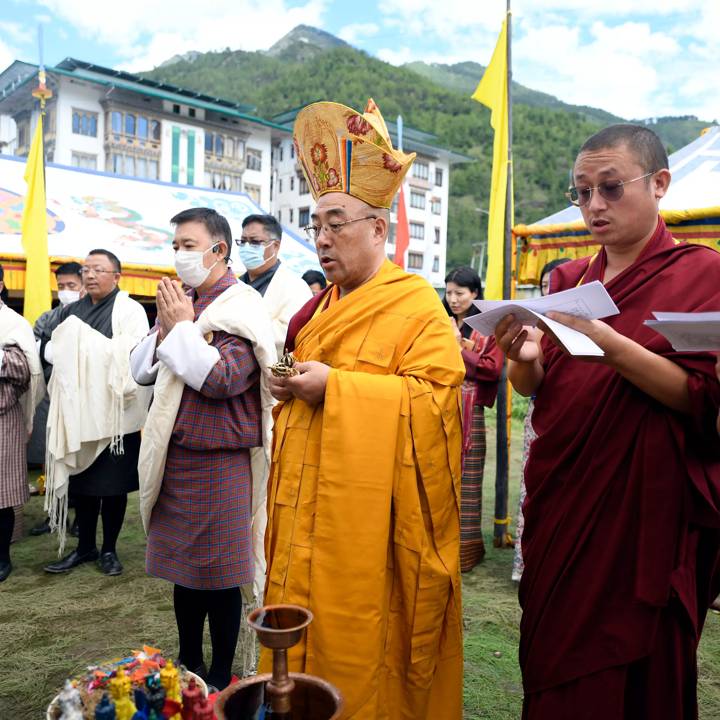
(94, 400)
(239, 311)
(16, 330)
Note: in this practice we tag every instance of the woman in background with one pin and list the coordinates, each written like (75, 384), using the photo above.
(483, 362)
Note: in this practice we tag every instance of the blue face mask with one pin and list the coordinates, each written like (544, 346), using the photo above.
(252, 256)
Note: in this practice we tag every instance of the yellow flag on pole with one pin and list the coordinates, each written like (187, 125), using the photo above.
(38, 297)
(492, 91)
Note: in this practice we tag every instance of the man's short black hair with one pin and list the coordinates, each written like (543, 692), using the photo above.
(646, 145)
(271, 225)
(112, 257)
(70, 268)
(315, 276)
(215, 223)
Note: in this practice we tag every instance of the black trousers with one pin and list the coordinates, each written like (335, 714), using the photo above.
(222, 608)
(7, 525)
(87, 510)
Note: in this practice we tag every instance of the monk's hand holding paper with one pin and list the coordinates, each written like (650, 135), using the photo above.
(516, 341)
(173, 306)
(598, 331)
(309, 385)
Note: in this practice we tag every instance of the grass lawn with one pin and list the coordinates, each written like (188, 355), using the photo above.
(52, 626)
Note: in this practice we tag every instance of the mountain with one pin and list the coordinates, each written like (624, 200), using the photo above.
(309, 64)
(465, 76)
(304, 42)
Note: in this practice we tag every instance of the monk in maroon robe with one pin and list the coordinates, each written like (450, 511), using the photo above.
(622, 516)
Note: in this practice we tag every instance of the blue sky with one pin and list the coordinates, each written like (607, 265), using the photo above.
(636, 58)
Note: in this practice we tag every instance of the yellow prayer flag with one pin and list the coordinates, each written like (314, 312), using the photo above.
(492, 91)
(38, 297)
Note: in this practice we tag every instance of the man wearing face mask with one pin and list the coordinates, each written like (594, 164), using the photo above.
(284, 292)
(96, 412)
(70, 289)
(204, 457)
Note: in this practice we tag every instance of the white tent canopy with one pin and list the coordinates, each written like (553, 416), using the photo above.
(128, 216)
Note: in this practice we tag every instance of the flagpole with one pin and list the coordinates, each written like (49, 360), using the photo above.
(501, 530)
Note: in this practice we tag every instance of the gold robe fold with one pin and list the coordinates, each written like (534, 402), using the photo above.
(364, 491)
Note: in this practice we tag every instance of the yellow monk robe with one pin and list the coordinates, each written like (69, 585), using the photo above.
(364, 499)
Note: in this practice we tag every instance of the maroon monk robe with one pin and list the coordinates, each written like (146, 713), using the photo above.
(622, 516)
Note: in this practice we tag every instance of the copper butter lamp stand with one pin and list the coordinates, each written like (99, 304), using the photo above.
(281, 695)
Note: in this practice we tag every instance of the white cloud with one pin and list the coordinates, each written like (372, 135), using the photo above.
(146, 32)
(7, 55)
(627, 69)
(16, 33)
(352, 33)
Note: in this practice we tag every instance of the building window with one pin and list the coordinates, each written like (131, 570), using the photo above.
(281, 152)
(191, 112)
(155, 130)
(437, 236)
(436, 206)
(291, 214)
(254, 192)
(438, 177)
(304, 217)
(415, 261)
(436, 264)
(417, 231)
(142, 127)
(84, 123)
(303, 186)
(116, 121)
(279, 216)
(421, 170)
(229, 147)
(208, 142)
(138, 166)
(23, 133)
(280, 185)
(84, 160)
(292, 151)
(253, 159)
(417, 200)
(223, 180)
(219, 145)
(394, 204)
(292, 183)
(176, 109)
(130, 125)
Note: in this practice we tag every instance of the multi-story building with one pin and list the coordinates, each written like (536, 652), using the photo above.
(425, 189)
(117, 122)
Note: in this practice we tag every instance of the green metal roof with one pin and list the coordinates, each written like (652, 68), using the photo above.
(151, 89)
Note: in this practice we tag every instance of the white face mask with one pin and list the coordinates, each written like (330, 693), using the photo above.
(68, 296)
(190, 268)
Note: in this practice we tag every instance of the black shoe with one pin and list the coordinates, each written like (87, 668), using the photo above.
(5, 570)
(70, 561)
(42, 528)
(75, 528)
(109, 563)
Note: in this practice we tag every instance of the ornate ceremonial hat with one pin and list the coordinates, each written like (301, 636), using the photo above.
(343, 151)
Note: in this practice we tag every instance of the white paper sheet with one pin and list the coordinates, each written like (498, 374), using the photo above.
(590, 301)
(688, 332)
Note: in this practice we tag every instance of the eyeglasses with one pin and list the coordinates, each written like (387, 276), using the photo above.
(95, 271)
(253, 243)
(611, 191)
(313, 231)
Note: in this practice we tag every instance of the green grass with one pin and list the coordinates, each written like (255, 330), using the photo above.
(52, 626)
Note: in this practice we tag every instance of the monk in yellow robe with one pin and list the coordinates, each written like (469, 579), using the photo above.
(363, 500)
